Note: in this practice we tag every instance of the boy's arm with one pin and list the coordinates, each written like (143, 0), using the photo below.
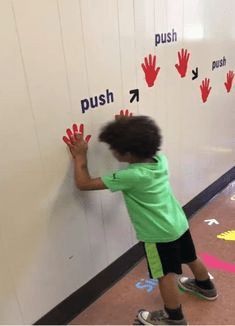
(82, 176)
(78, 147)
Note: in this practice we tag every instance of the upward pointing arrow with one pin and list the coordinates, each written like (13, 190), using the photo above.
(211, 221)
(135, 95)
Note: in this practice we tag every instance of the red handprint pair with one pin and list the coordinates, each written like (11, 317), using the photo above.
(206, 88)
(151, 71)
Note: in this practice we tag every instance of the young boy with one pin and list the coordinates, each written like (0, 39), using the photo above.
(157, 217)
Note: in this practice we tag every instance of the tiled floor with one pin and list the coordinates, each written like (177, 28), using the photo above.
(120, 304)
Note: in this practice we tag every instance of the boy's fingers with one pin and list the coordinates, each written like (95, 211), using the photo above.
(66, 140)
(81, 128)
(87, 139)
(69, 133)
(75, 128)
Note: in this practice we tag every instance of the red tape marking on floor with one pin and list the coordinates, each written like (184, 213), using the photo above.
(216, 263)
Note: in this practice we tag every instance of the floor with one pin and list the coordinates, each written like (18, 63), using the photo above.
(119, 305)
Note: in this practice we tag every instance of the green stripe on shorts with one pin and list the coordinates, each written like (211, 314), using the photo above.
(154, 261)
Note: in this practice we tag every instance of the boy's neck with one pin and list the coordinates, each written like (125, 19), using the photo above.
(139, 160)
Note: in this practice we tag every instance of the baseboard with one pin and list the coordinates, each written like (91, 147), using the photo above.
(88, 293)
(68, 309)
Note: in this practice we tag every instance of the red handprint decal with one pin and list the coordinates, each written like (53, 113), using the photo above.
(71, 136)
(123, 114)
(205, 89)
(150, 70)
(228, 84)
(182, 66)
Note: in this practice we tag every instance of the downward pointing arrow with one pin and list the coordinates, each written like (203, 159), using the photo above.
(211, 221)
(135, 93)
(195, 73)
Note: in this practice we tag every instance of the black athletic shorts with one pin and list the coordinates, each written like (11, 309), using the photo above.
(167, 257)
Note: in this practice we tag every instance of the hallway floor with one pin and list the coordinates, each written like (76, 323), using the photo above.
(119, 305)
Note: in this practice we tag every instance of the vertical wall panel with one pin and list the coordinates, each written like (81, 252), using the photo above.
(222, 136)
(102, 54)
(127, 44)
(76, 64)
(57, 214)
(39, 33)
(128, 61)
(10, 312)
(169, 17)
(193, 111)
(144, 40)
(20, 174)
(102, 51)
(202, 152)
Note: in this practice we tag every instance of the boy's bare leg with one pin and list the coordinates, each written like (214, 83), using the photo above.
(199, 270)
(169, 291)
(171, 298)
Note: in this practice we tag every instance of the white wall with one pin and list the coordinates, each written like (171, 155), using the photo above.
(53, 238)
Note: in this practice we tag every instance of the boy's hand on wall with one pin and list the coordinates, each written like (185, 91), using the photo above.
(182, 66)
(75, 140)
(150, 70)
(205, 89)
(123, 114)
(228, 84)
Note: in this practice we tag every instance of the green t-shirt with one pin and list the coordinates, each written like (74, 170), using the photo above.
(154, 211)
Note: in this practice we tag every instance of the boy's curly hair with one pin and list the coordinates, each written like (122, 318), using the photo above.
(138, 135)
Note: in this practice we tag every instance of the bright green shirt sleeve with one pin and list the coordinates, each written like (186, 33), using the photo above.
(121, 180)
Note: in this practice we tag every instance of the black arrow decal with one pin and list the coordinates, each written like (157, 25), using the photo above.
(135, 95)
(195, 73)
